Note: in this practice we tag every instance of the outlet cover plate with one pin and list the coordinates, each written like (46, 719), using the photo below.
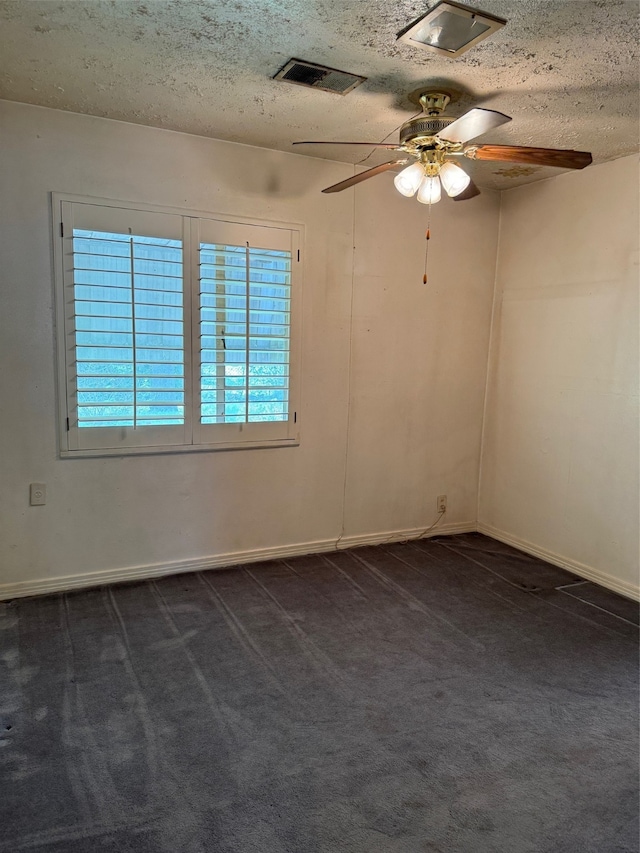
(37, 494)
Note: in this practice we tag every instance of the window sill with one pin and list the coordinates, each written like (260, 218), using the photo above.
(183, 448)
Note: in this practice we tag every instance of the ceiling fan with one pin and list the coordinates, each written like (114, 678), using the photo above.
(435, 141)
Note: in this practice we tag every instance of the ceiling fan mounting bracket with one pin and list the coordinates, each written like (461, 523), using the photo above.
(433, 103)
(431, 98)
(422, 131)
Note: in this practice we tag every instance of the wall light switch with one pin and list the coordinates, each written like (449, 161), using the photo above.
(37, 494)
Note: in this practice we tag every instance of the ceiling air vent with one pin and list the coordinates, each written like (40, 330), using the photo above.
(318, 77)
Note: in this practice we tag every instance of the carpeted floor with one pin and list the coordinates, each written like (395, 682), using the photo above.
(448, 696)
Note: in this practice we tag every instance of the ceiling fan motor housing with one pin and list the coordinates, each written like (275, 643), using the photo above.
(423, 126)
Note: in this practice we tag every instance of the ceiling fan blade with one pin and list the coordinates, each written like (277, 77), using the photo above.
(363, 176)
(472, 124)
(369, 144)
(563, 159)
(470, 192)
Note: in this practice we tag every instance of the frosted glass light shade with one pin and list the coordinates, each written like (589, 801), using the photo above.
(454, 179)
(450, 28)
(408, 180)
(429, 191)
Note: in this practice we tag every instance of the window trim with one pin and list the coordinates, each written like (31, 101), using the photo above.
(58, 200)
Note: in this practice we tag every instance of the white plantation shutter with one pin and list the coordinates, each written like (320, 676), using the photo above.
(129, 340)
(177, 332)
(124, 323)
(245, 310)
(244, 327)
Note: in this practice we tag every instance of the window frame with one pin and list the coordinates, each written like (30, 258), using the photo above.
(196, 437)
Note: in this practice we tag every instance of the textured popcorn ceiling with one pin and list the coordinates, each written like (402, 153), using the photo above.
(567, 72)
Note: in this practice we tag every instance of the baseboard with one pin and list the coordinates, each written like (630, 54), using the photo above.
(588, 572)
(64, 583)
(403, 535)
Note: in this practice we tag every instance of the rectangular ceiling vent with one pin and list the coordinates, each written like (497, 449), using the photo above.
(318, 77)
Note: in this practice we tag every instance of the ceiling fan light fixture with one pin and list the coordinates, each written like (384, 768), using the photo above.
(450, 28)
(408, 180)
(429, 190)
(454, 179)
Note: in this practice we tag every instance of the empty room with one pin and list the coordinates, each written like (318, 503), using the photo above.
(319, 485)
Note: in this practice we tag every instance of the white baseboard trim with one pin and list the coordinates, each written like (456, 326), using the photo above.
(588, 572)
(403, 535)
(65, 583)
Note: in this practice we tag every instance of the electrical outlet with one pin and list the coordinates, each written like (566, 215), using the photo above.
(37, 494)
(442, 503)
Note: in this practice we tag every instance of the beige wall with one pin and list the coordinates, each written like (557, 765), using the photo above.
(560, 455)
(394, 372)
(404, 422)
(418, 378)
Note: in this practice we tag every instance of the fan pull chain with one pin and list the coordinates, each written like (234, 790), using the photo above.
(426, 251)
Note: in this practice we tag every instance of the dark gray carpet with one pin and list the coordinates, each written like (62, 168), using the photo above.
(451, 695)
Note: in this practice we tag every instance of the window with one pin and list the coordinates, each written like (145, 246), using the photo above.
(175, 331)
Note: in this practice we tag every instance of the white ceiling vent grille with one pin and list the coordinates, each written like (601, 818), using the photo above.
(318, 77)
